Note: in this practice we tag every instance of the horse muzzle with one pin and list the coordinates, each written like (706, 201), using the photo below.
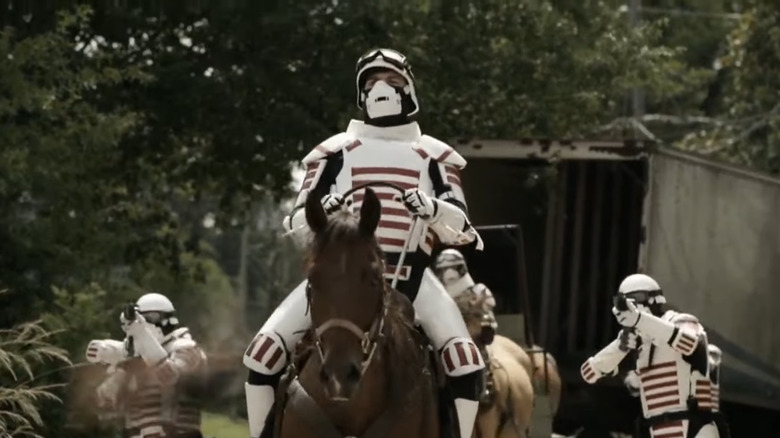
(341, 377)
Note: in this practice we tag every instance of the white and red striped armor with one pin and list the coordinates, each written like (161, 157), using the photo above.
(155, 401)
(666, 377)
(715, 357)
(400, 155)
(669, 368)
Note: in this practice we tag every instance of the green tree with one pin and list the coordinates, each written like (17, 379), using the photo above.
(747, 127)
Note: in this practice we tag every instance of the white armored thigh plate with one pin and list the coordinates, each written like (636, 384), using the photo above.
(290, 319)
(437, 312)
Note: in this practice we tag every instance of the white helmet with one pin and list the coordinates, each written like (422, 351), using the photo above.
(450, 267)
(388, 59)
(450, 258)
(642, 289)
(714, 353)
(158, 311)
(154, 302)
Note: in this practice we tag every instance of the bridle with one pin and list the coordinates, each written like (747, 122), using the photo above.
(369, 340)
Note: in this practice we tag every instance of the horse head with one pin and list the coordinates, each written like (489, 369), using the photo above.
(347, 294)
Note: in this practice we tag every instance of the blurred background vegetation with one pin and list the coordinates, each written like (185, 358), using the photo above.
(149, 145)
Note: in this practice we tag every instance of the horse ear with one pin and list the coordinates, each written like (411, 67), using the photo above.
(370, 212)
(315, 214)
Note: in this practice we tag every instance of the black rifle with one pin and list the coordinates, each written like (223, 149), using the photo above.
(129, 314)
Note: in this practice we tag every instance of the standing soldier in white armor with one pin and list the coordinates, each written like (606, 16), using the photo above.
(672, 355)
(386, 147)
(151, 372)
(451, 269)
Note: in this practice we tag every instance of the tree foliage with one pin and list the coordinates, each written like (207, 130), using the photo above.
(746, 128)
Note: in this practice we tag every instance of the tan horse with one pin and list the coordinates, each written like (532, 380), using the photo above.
(547, 379)
(509, 416)
(540, 365)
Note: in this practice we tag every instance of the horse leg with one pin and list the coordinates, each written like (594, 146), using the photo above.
(517, 391)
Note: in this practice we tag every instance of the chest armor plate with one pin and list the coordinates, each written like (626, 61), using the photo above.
(396, 162)
(664, 377)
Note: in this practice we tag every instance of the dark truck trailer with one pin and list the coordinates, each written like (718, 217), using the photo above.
(565, 222)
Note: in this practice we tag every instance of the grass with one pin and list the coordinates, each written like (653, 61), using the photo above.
(222, 426)
(22, 348)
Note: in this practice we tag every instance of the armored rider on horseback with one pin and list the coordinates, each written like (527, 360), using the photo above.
(386, 147)
(450, 267)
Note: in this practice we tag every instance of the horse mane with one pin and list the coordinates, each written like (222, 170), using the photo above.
(342, 227)
(470, 307)
(403, 343)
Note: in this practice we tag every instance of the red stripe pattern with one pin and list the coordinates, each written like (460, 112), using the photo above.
(715, 397)
(453, 175)
(660, 388)
(311, 172)
(267, 353)
(672, 429)
(461, 357)
(396, 221)
(403, 274)
(589, 373)
(703, 393)
(158, 402)
(684, 342)
(353, 145)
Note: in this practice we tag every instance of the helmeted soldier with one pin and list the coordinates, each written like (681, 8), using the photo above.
(151, 373)
(671, 357)
(386, 147)
(450, 267)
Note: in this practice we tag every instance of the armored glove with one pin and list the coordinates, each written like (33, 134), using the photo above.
(419, 203)
(332, 203)
(632, 383)
(628, 340)
(629, 317)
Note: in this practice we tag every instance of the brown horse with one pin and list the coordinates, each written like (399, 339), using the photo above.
(509, 415)
(366, 372)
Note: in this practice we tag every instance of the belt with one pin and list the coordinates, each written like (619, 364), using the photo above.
(403, 274)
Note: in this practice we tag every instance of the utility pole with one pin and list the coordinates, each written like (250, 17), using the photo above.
(637, 94)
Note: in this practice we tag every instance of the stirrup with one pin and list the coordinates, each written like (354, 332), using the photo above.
(487, 398)
(488, 395)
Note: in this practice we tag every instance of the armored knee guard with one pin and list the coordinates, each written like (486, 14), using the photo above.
(267, 356)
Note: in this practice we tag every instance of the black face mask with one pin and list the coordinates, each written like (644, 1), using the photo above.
(641, 298)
